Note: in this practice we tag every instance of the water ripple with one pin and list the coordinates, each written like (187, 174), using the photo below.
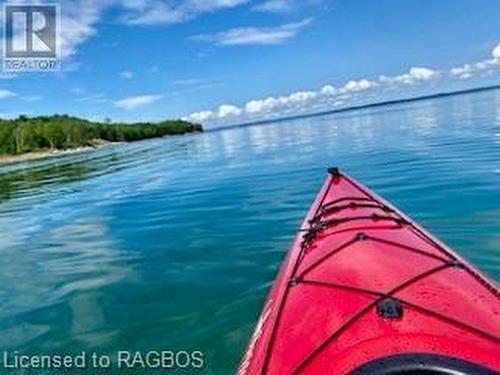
(173, 243)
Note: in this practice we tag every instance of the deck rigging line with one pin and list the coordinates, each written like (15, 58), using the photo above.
(317, 225)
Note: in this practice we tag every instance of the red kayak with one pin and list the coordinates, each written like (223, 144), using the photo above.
(365, 290)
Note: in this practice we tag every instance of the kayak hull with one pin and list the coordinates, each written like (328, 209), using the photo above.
(363, 282)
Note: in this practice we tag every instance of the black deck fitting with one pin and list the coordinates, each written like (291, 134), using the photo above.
(456, 263)
(334, 171)
(293, 281)
(361, 237)
(390, 308)
(401, 221)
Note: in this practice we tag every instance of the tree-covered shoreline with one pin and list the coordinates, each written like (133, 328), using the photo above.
(62, 132)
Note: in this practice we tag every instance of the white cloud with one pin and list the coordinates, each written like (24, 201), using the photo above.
(297, 101)
(485, 66)
(126, 74)
(80, 18)
(328, 90)
(422, 74)
(415, 75)
(274, 6)
(469, 70)
(301, 101)
(200, 117)
(283, 6)
(357, 86)
(463, 72)
(79, 22)
(353, 92)
(134, 102)
(255, 35)
(154, 12)
(255, 107)
(228, 110)
(496, 52)
(294, 100)
(301, 96)
(4, 94)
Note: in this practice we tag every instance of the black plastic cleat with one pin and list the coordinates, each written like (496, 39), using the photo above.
(361, 237)
(334, 171)
(390, 308)
(456, 263)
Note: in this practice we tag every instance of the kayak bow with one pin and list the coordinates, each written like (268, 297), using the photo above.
(365, 290)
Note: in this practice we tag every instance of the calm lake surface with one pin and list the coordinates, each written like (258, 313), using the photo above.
(173, 243)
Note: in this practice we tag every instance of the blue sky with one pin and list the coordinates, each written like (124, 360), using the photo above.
(226, 61)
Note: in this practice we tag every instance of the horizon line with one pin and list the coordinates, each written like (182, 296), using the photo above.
(355, 108)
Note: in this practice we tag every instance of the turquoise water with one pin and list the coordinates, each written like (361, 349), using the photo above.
(173, 243)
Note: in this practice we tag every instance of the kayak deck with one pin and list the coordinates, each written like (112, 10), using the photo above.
(362, 281)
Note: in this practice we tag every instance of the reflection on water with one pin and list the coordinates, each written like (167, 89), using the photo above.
(172, 243)
(64, 264)
(29, 179)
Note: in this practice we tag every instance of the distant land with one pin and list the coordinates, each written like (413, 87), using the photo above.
(355, 108)
(26, 138)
